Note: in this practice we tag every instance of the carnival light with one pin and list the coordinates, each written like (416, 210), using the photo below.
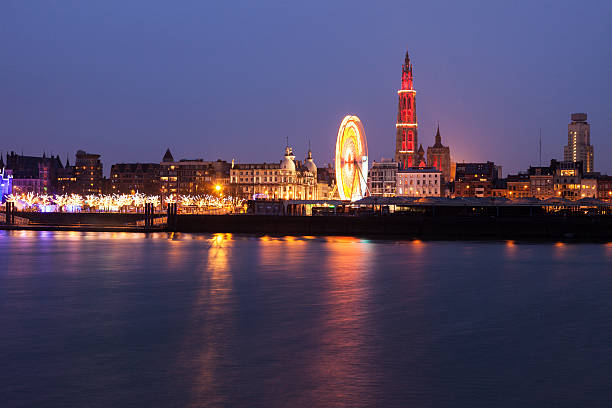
(155, 200)
(187, 200)
(119, 202)
(30, 199)
(139, 199)
(351, 159)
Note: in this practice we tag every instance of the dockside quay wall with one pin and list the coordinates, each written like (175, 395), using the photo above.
(407, 226)
(83, 218)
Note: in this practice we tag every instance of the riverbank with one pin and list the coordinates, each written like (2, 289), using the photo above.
(541, 227)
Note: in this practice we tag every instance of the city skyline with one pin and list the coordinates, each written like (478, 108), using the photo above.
(168, 85)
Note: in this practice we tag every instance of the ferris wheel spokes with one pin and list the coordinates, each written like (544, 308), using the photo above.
(351, 160)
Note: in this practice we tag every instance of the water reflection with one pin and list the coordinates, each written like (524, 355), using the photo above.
(212, 321)
(230, 320)
(339, 374)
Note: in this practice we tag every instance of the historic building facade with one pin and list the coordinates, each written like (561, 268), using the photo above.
(33, 174)
(519, 186)
(382, 178)
(283, 180)
(438, 156)
(406, 138)
(541, 184)
(129, 178)
(191, 177)
(476, 179)
(604, 188)
(418, 182)
(567, 179)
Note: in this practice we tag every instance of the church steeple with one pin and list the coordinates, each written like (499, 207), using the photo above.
(406, 139)
(438, 138)
(421, 156)
(438, 156)
(407, 74)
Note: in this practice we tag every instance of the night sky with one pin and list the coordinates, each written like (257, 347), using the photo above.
(233, 79)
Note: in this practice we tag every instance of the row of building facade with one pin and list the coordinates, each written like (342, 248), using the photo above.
(286, 179)
(565, 179)
(410, 173)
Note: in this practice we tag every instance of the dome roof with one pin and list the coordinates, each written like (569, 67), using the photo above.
(287, 163)
(310, 164)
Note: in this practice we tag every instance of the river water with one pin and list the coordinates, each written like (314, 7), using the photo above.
(158, 320)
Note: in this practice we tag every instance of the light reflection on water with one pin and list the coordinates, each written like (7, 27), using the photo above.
(116, 319)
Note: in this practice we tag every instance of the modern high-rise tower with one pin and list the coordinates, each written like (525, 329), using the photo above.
(579, 142)
(406, 126)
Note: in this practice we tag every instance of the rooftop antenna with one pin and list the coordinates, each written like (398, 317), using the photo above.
(540, 147)
(287, 137)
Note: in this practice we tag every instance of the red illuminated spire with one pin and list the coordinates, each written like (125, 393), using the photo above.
(407, 74)
(406, 126)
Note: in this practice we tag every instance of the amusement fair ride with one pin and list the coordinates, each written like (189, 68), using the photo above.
(351, 160)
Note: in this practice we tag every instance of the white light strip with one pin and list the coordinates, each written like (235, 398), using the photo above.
(406, 125)
(406, 90)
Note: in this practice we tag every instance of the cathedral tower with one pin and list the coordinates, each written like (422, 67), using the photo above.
(438, 156)
(406, 140)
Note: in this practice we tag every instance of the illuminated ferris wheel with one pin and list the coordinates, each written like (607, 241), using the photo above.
(351, 159)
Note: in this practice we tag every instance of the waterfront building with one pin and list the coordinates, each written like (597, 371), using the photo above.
(500, 188)
(6, 182)
(382, 178)
(283, 180)
(33, 174)
(66, 180)
(88, 173)
(518, 186)
(438, 156)
(420, 161)
(476, 179)
(567, 179)
(604, 187)
(326, 183)
(128, 178)
(191, 177)
(309, 163)
(541, 184)
(579, 142)
(588, 186)
(418, 182)
(406, 135)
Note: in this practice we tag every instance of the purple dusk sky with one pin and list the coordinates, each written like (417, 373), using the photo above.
(232, 79)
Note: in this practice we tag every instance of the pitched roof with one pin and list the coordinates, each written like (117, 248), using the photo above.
(168, 156)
